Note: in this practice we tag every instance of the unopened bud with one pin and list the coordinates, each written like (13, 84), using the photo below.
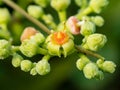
(43, 67)
(87, 28)
(90, 70)
(26, 65)
(16, 60)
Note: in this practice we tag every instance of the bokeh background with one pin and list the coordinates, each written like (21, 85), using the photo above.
(64, 75)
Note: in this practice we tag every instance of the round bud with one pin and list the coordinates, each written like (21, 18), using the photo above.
(16, 60)
(29, 48)
(38, 38)
(35, 11)
(5, 49)
(100, 75)
(72, 25)
(87, 28)
(27, 33)
(97, 5)
(4, 15)
(82, 62)
(96, 41)
(108, 66)
(26, 65)
(60, 5)
(90, 70)
(98, 20)
(43, 67)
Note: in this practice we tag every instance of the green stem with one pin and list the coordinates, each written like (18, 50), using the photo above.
(15, 48)
(82, 50)
(42, 51)
(84, 12)
(46, 57)
(20, 10)
(62, 15)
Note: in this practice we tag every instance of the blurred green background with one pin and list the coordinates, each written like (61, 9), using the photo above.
(64, 75)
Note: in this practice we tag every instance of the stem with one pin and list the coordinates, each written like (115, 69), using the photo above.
(42, 51)
(46, 57)
(20, 10)
(84, 12)
(62, 15)
(44, 28)
(80, 49)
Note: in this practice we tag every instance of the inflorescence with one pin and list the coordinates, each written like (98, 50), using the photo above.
(60, 41)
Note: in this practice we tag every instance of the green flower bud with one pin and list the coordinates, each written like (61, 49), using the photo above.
(82, 62)
(98, 20)
(29, 48)
(5, 49)
(60, 5)
(16, 60)
(35, 11)
(108, 66)
(42, 3)
(97, 5)
(26, 65)
(96, 41)
(87, 28)
(4, 15)
(90, 70)
(100, 63)
(38, 38)
(100, 75)
(78, 2)
(33, 70)
(43, 67)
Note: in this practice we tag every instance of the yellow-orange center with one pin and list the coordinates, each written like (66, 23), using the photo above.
(59, 38)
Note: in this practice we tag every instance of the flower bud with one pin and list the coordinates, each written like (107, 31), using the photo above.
(38, 38)
(100, 75)
(98, 20)
(26, 65)
(43, 67)
(5, 49)
(33, 70)
(35, 11)
(60, 5)
(108, 66)
(27, 33)
(90, 70)
(42, 3)
(87, 28)
(100, 63)
(29, 48)
(16, 60)
(72, 25)
(96, 41)
(78, 2)
(97, 5)
(4, 15)
(82, 62)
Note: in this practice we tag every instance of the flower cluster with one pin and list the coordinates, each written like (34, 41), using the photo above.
(60, 41)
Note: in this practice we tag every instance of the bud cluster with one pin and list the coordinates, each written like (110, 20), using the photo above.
(61, 39)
